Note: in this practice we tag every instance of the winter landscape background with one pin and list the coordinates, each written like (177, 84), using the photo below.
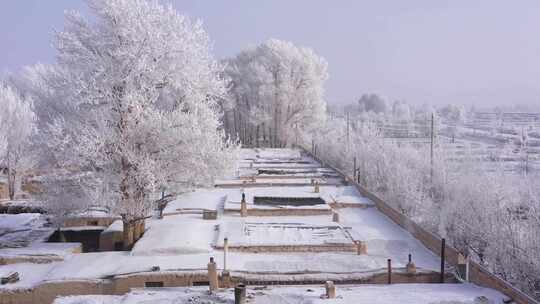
(124, 109)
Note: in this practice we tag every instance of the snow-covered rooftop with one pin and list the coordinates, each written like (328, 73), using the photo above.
(364, 294)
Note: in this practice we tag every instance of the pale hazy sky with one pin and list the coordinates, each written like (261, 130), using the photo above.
(484, 52)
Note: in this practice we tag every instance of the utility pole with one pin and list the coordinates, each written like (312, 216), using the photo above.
(347, 130)
(431, 144)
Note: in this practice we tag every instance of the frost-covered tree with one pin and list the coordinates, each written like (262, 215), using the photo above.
(453, 114)
(482, 209)
(17, 125)
(373, 103)
(280, 87)
(131, 105)
(401, 111)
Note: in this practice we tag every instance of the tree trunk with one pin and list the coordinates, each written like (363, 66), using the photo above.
(128, 234)
(257, 137)
(12, 174)
(275, 128)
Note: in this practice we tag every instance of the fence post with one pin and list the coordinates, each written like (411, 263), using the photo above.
(354, 168)
(443, 245)
(389, 271)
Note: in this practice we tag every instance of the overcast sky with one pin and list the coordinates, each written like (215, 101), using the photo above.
(485, 52)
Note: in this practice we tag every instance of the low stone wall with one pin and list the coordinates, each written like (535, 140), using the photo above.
(483, 277)
(44, 259)
(89, 221)
(294, 248)
(477, 274)
(122, 284)
(399, 276)
(46, 292)
(282, 212)
(266, 184)
(349, 205)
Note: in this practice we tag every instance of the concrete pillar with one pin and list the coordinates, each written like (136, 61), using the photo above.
(225, 251)
(243, 206)
(411, 268)
(361, 247)
(335, 217)
(330, 289)
(212, 275)
(240, 294)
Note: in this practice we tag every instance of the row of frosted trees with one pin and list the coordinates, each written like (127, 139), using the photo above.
(485, 211)
(130, 106)
(136, 103)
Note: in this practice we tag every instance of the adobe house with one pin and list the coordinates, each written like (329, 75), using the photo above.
(85, 228)
(94, 216)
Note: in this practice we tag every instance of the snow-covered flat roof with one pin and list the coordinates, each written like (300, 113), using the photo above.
(362, 294)
(243, 233)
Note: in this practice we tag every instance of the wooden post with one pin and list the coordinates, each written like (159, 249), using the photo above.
(354, 168)
(257, 137)
(411, 268)
(243, 206)
(389, 271)
(431, 145)
(443, 246)
(347, 130)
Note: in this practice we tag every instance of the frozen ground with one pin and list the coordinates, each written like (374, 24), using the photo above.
(364, 294)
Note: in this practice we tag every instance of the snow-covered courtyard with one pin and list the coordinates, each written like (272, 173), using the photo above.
(289, 247)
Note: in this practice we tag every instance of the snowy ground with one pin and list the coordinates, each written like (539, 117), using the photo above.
(281, 234)
(183, 242)
(365, 294)
(21, 230)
